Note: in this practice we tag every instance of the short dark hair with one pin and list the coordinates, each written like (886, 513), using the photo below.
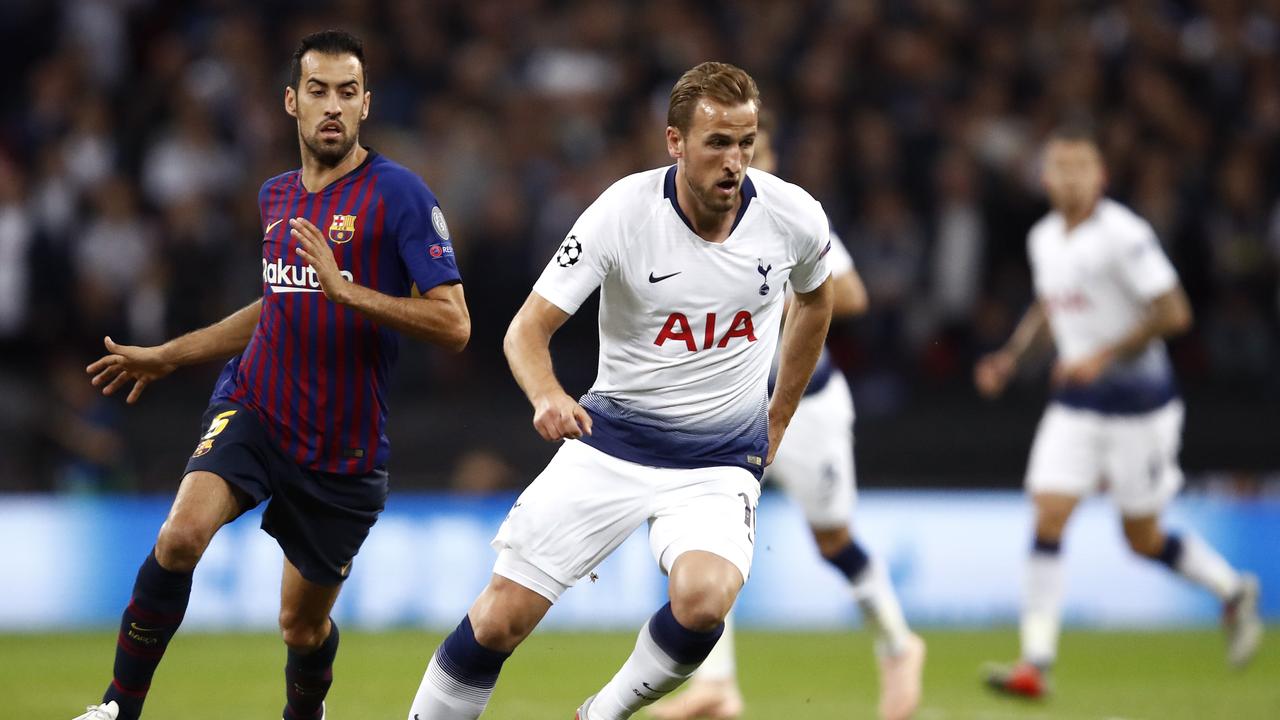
(328, 42)
(1076, 127)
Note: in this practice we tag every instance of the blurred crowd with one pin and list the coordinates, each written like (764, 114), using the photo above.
(137, 132)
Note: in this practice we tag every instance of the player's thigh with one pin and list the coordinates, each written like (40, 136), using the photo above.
(1067, 453)
(204, 503)
(1142, 460)
(708, 509)
(814, 465)
(578, 510)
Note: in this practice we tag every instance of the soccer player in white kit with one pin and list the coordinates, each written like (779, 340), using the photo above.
(692, 262)
(815, 467)
(1106, 296)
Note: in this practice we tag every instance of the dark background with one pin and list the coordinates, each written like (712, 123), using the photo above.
(134, 135)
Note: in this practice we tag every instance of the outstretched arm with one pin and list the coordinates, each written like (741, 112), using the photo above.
(145, 365)
(1031, 337)
(439, 316)
(527, 345)
(803, 334)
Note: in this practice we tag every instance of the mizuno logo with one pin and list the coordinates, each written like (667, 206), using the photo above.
(271, 226)
(653, 279)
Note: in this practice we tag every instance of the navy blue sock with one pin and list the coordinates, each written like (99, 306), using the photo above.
(307, 678)
(1171, 553)
(850, 561)
(468, 662)
(685, 646)
(149, 622)
(1046, 547)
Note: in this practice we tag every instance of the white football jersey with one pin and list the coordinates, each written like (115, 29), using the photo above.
(687, 327)
(1095, 284)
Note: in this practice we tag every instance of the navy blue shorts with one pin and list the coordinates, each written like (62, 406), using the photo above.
(320, 519)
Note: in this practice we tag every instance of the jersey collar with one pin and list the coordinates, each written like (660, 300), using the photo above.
(669, 192)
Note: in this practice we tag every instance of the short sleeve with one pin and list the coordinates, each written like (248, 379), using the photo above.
(582, 261)
(421, 234)
(839, 261)
(814, 244)
(1142, 264)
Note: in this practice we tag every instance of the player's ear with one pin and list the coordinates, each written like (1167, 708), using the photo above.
(675, 143)
(364, 109)
(290, 101)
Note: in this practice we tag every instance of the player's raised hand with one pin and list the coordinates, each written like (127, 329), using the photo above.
(314, 250)
(993, 372)
(559, 417)
(142, 365)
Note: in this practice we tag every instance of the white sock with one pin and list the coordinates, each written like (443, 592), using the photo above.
(645, 677)
(880, 609)
(720, 665)
(1042, 608)
(1202, 565)
(441, 697)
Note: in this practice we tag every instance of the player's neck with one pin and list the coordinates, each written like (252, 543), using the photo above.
(1075, 218)
(707, 224)
(317, 176)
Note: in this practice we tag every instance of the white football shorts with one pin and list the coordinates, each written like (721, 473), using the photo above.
(1078, 452)
(585, 503)
(814, 464)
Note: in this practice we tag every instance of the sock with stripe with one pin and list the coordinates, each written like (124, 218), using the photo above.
(152, 617)
(1195, 560)
(875, 596)
(722, 664)
(1042, 604)
(459, 678)
(666, 654)
(307, 678)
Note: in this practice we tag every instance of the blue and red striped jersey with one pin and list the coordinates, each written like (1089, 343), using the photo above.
(315, 372)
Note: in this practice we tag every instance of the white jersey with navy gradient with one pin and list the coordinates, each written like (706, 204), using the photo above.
(687, 327)
(1095, 283)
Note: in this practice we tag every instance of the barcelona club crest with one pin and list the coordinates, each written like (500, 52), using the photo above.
(342, 229)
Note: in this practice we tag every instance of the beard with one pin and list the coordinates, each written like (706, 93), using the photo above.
(326, 152)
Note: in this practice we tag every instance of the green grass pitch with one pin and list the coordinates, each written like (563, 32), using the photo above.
(786, 676)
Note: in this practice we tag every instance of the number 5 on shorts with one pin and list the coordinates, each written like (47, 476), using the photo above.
(218, 425)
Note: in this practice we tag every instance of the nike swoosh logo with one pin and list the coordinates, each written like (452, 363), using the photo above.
(272, 225)
(134, 625)
(653, 279)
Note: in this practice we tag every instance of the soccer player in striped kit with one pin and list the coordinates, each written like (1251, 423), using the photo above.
(355, 252)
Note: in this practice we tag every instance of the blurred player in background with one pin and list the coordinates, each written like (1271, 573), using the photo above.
(298, 414)
(815, 467)
(692, 262)
(1106, 297)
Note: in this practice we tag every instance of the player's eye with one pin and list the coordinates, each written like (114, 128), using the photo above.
(317, 93)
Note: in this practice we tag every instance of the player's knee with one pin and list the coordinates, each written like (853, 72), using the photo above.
(180, 545)
(702, 606)
(498, 631)
(1144, 542)
(300, 633)
(832, 542)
